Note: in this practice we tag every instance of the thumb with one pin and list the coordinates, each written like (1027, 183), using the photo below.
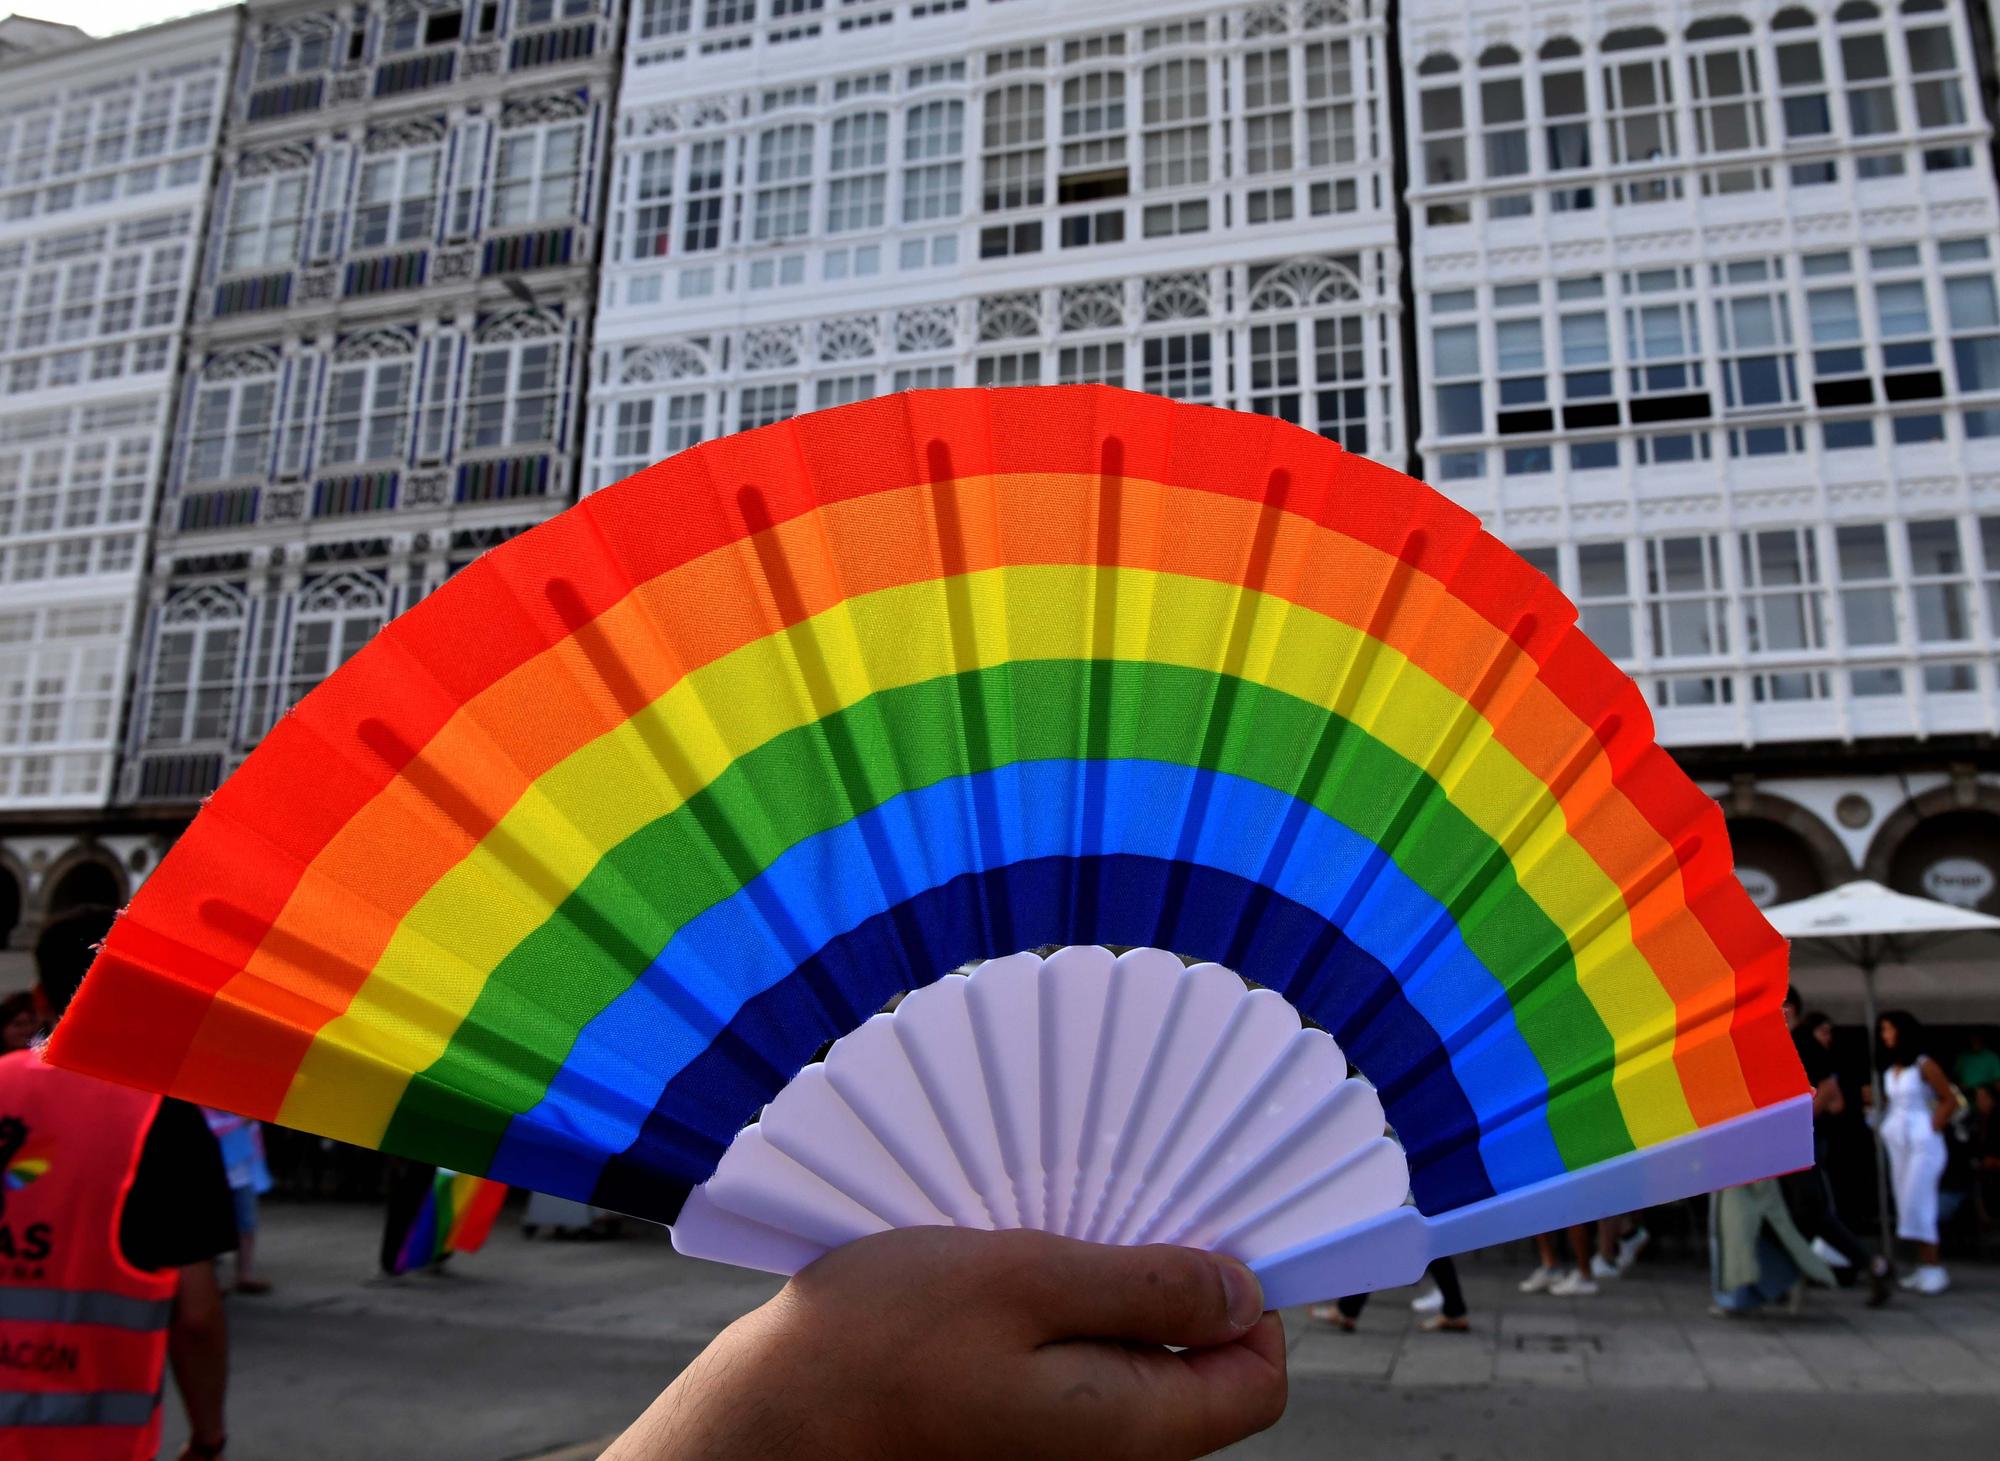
(1156, 1294)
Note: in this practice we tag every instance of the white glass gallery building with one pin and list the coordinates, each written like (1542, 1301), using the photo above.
(1695, 304)
(106, 155)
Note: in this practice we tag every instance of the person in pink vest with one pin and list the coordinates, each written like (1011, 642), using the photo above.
(113, 1209)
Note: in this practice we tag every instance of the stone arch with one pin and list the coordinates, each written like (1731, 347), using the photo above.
(85, 876)
(13, 899)
(1775, 864)
(1801, 854)
(1944, 843)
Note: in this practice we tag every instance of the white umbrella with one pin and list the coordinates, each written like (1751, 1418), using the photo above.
(1867, 924)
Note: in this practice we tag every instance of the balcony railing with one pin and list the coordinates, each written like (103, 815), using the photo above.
(415, 73)
(285, 98)
(228, 507)
(385, 273)
(503, 479)
(346, 496)
(179, 776)
(519, 253)
(552, 47)
(258, 292)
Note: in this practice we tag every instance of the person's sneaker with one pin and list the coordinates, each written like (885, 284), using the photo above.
(1602, 1267)
(1573, 1286)
(1630, 1247)
(1540, 1281)
(1430, 1301)
(1931, 1279)
(1909, 1280)
(1831, 1256)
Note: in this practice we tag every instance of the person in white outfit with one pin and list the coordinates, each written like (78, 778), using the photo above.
(1918, 1103)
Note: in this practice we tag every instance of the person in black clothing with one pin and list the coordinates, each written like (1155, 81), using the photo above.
(408, 1184)
(1807, 1194)
(1448, 1320)
(1985, 1155)
(178, 1212)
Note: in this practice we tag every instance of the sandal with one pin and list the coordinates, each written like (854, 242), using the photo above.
(1446, 1324)
(1330, 1314)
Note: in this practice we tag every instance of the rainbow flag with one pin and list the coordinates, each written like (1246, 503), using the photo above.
(455, 1218)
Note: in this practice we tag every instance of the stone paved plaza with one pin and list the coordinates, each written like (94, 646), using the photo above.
(543, 1349)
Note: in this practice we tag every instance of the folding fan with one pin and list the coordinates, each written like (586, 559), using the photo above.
(572, 870)
(457, 1215)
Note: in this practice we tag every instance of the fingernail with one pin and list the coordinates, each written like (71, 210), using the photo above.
(1244, 1294)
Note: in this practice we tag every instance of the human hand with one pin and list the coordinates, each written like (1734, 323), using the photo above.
(950, 1342)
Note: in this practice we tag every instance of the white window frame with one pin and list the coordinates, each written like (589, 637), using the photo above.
(537, 171)
(516, 408)
(265, 222)
(230, 430)
(396, 198)
(367, 413)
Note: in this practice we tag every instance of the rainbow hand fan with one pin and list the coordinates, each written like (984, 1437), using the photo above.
(566, 876)
(457, 1215)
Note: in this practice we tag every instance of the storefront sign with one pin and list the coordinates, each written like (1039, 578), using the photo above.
(1760, 885)
(1959, 881)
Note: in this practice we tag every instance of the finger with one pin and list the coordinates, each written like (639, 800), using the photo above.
(1239, 1389)
(1158, 1294)
(1150, 1402)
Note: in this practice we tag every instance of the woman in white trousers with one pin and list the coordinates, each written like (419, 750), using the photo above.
(1918, 1105)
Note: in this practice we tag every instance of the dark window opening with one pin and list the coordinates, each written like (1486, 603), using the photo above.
(1517, 423)
(445, 25)
(1920, 385)
(1598, 413)
(1005, 239)
(1089, 187)
(1691, 406)
(1828, 393)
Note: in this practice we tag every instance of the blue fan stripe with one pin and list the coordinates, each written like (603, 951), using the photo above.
(622, 1065)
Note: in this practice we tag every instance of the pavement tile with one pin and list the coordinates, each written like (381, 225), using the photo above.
(1356, 1356)
(1945, 1366)
(1546, 1369)
(1741, 1354)
(1841, 1360)
(1448, 1359)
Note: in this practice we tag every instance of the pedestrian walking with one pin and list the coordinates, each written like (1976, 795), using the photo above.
(408, 1184)
(1550, 1277)
(1449, 1319)
(1757, 1255)
(1809, 1194)
(242, 1144)
(1917, 1103)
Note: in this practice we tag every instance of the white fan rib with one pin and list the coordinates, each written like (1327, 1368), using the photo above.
(1126, 1101)
(871, 1072)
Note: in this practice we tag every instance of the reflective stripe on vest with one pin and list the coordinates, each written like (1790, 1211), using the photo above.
(83, 1334)
(100, 1407)
(63, 1306)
